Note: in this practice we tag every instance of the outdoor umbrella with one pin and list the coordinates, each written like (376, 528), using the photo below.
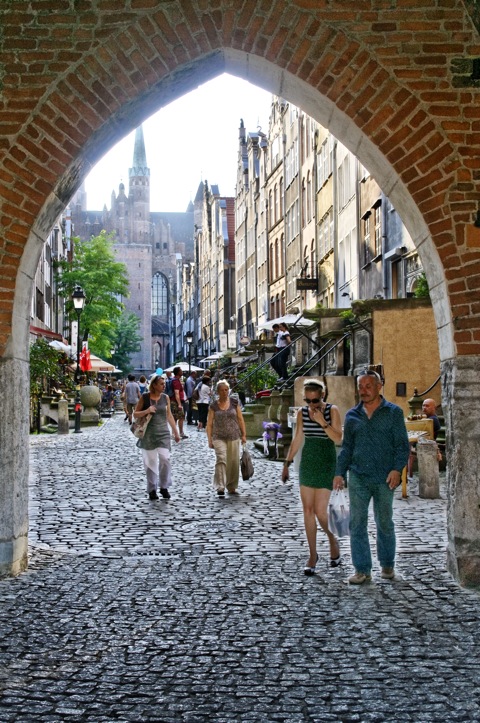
(184, 367)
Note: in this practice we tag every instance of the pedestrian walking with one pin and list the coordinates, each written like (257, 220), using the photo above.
(190, 384)
(225, 430)
(374, 451)
(132, 395)
(203, 402)
(318, 429)
(155, 444)
(177, 400)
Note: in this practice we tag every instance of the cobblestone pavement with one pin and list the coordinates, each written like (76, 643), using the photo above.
(196, 609)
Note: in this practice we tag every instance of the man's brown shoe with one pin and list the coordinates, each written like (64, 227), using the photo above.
(388, 573)
(359, 578)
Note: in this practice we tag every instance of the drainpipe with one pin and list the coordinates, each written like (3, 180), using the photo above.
(335, 224)
(385, 269)
(284, 139)
(358, 227)
(300, 196)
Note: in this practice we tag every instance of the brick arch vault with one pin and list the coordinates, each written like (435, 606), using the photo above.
(395, 82)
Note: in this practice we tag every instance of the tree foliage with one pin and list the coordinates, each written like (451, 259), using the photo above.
(421, 290)
(45, 367)
(103, 280)
(251, 383)
(125, 340)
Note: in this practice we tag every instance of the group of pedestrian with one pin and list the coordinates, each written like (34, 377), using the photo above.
(374, 451)
(221, 417)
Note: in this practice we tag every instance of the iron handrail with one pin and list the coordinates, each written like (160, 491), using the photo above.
(416, 394)
(308, 365)
(264, 363)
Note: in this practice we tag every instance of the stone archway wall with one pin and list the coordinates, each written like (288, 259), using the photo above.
(392, 81)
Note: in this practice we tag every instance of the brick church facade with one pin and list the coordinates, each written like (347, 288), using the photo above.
(152, 245)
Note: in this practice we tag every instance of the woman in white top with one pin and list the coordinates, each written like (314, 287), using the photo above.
(204, 399)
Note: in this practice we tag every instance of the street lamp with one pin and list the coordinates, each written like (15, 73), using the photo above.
(78, 298)
(189, 341)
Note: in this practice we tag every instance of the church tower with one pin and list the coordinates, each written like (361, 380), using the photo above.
(134, 248)
(139, 193)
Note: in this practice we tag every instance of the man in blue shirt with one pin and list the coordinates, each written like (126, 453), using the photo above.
(375, 450)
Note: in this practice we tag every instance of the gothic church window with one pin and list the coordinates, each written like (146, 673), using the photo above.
(159, 295)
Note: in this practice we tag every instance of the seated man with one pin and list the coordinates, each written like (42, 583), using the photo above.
(429, 408)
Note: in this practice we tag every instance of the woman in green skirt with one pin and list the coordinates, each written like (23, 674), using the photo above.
(318, 429)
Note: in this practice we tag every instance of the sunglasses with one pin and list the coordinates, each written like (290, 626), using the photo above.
(315, 400)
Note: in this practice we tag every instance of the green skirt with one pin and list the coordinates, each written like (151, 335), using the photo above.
(317, 466)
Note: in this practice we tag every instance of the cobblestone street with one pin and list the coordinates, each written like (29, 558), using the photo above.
(196, 609)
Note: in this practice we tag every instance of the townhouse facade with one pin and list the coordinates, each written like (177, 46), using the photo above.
(331, 234)
(47, 318)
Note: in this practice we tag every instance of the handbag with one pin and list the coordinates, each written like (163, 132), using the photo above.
(196, 393)
(140, 425)
(246, 464)
(339, 513)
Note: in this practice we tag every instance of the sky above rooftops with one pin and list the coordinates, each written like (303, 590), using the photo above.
(194, 138)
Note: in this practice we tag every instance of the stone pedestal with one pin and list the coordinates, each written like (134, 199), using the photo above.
(63, 422)
(428, 477)
(284, 402)
(90, 397)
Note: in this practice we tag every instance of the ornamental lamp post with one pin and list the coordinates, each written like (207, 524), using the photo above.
(189, 341)
(78, 298)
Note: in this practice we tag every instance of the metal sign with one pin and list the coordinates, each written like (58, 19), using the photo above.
(232, 339)
(307, 284)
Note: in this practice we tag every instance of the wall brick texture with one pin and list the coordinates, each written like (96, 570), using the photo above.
(76, 75)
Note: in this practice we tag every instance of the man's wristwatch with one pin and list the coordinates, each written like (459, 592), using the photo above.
(287, 463)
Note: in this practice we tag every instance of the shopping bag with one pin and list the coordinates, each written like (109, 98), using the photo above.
(246, 464)
(140, 425)
(339, 513)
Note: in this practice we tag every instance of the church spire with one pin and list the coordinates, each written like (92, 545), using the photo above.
(139, 167)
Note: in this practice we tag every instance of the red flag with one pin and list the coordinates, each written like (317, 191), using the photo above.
(85, 363)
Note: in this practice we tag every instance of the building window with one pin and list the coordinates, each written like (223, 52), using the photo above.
(378, 229)
(309, 197)
(367, 252)
(40, 306)
(304, 204)
(159, 295)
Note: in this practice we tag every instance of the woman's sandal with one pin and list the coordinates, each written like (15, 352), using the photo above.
(310, 570)
(336, 561)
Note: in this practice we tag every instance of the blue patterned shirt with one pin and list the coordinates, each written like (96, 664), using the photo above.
(373, 447)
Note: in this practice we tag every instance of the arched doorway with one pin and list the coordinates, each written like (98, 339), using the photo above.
(408, 114)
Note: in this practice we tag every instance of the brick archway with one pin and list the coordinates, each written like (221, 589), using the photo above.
(392, 83)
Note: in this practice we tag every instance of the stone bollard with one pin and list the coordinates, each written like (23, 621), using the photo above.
(62, 416)
(428, 478)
